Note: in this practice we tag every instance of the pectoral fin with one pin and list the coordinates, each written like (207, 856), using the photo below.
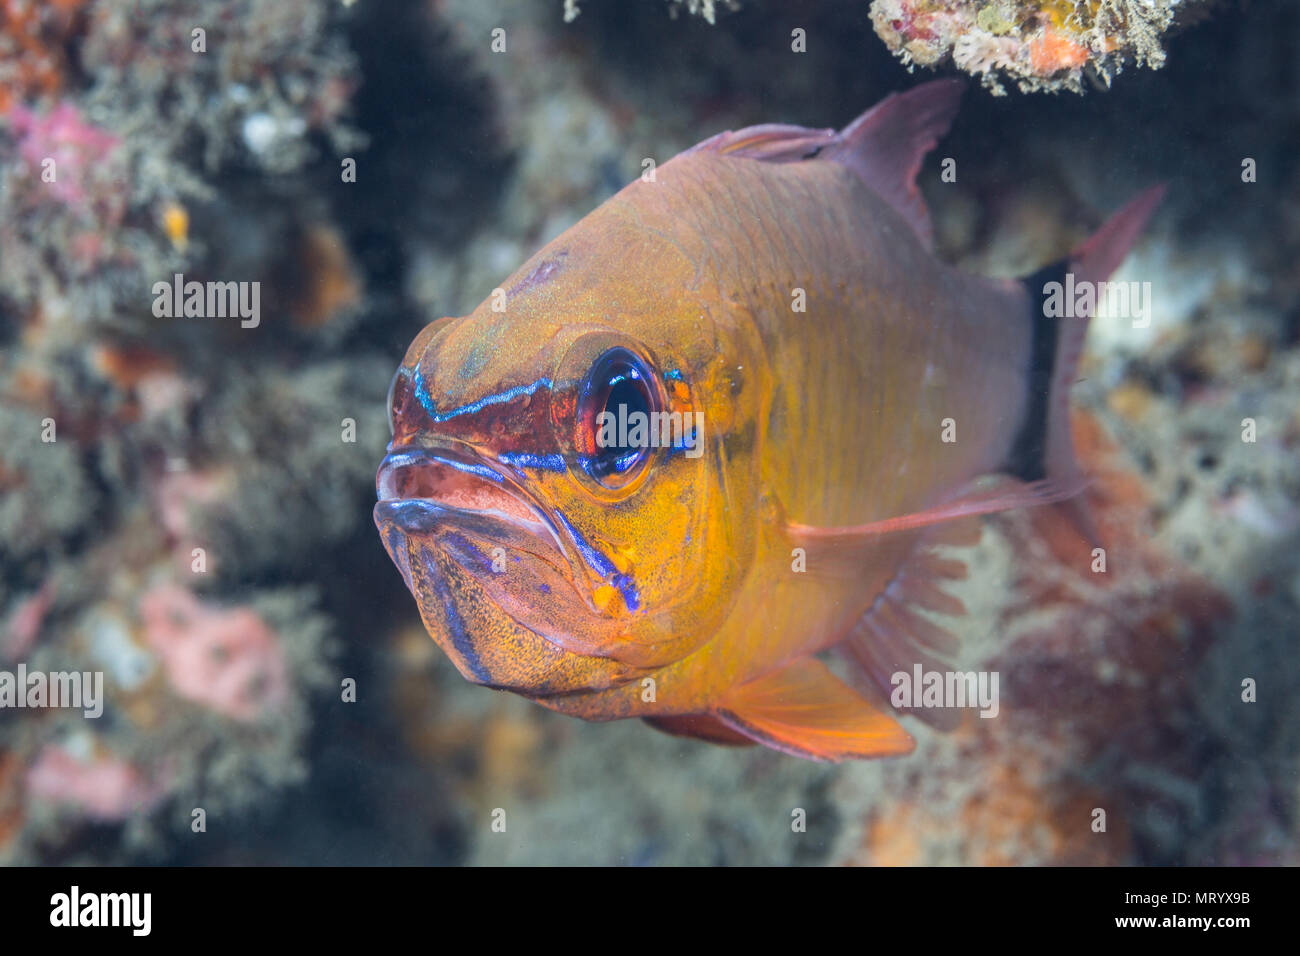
(896, 634)
(986, 495)
(805, 710)
(903, 563)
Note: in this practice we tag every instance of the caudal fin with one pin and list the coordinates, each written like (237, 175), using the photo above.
(1044, 448)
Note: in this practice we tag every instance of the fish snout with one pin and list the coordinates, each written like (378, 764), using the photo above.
(406, 414)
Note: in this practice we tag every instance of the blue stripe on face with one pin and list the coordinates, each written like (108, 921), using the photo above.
(460, 638)
(497, 398)
(524, 459)
(481, 470)
(603, 566)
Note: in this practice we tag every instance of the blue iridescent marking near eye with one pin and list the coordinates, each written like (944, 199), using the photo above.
(524, 459)
(673, 375)
(497, 398)
(627, 587)
(680, 438)
(481, 470)
(595, 560)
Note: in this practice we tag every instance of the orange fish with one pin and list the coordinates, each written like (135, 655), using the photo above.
(718, 428)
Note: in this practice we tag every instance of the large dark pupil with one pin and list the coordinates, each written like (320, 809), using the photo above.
(626, 397)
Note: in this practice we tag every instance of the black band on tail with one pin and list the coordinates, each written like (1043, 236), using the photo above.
(1028, 458)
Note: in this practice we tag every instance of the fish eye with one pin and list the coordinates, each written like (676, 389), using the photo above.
(615, 418)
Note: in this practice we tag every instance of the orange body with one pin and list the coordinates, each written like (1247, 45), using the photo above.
(776, 281)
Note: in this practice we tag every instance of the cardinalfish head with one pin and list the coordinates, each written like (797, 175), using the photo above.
(553, 493)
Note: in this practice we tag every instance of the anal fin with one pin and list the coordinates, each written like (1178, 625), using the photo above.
(805, 710)
(701, 727)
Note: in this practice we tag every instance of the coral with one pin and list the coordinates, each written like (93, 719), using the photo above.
(291, 464)
(78, 151)
(328, 283)
(163, 116)
(1084, 658)
(34, 39)
(204, 701)
(62, 190)
(11, 812)
(1011, 813)
(46, 495)
(24, 624)
(101, 787)
(1038, 44)
(226, 659)
(147, 69)
(256, 445)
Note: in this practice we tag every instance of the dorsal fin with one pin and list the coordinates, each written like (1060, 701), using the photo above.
(771, 143)
(884, 146)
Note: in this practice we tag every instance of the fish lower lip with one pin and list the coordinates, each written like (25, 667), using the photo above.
(416, 515)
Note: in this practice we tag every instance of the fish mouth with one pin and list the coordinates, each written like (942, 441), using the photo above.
(502, 583)
(477, 512)
(484, 558)
(418, 488)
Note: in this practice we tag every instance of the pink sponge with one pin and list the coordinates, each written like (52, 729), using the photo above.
(104, 787)
(227, 659)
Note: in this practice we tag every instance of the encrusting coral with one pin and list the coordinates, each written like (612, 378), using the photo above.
(1037, 44)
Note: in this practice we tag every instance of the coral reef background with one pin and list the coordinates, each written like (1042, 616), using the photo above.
(198, 528)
